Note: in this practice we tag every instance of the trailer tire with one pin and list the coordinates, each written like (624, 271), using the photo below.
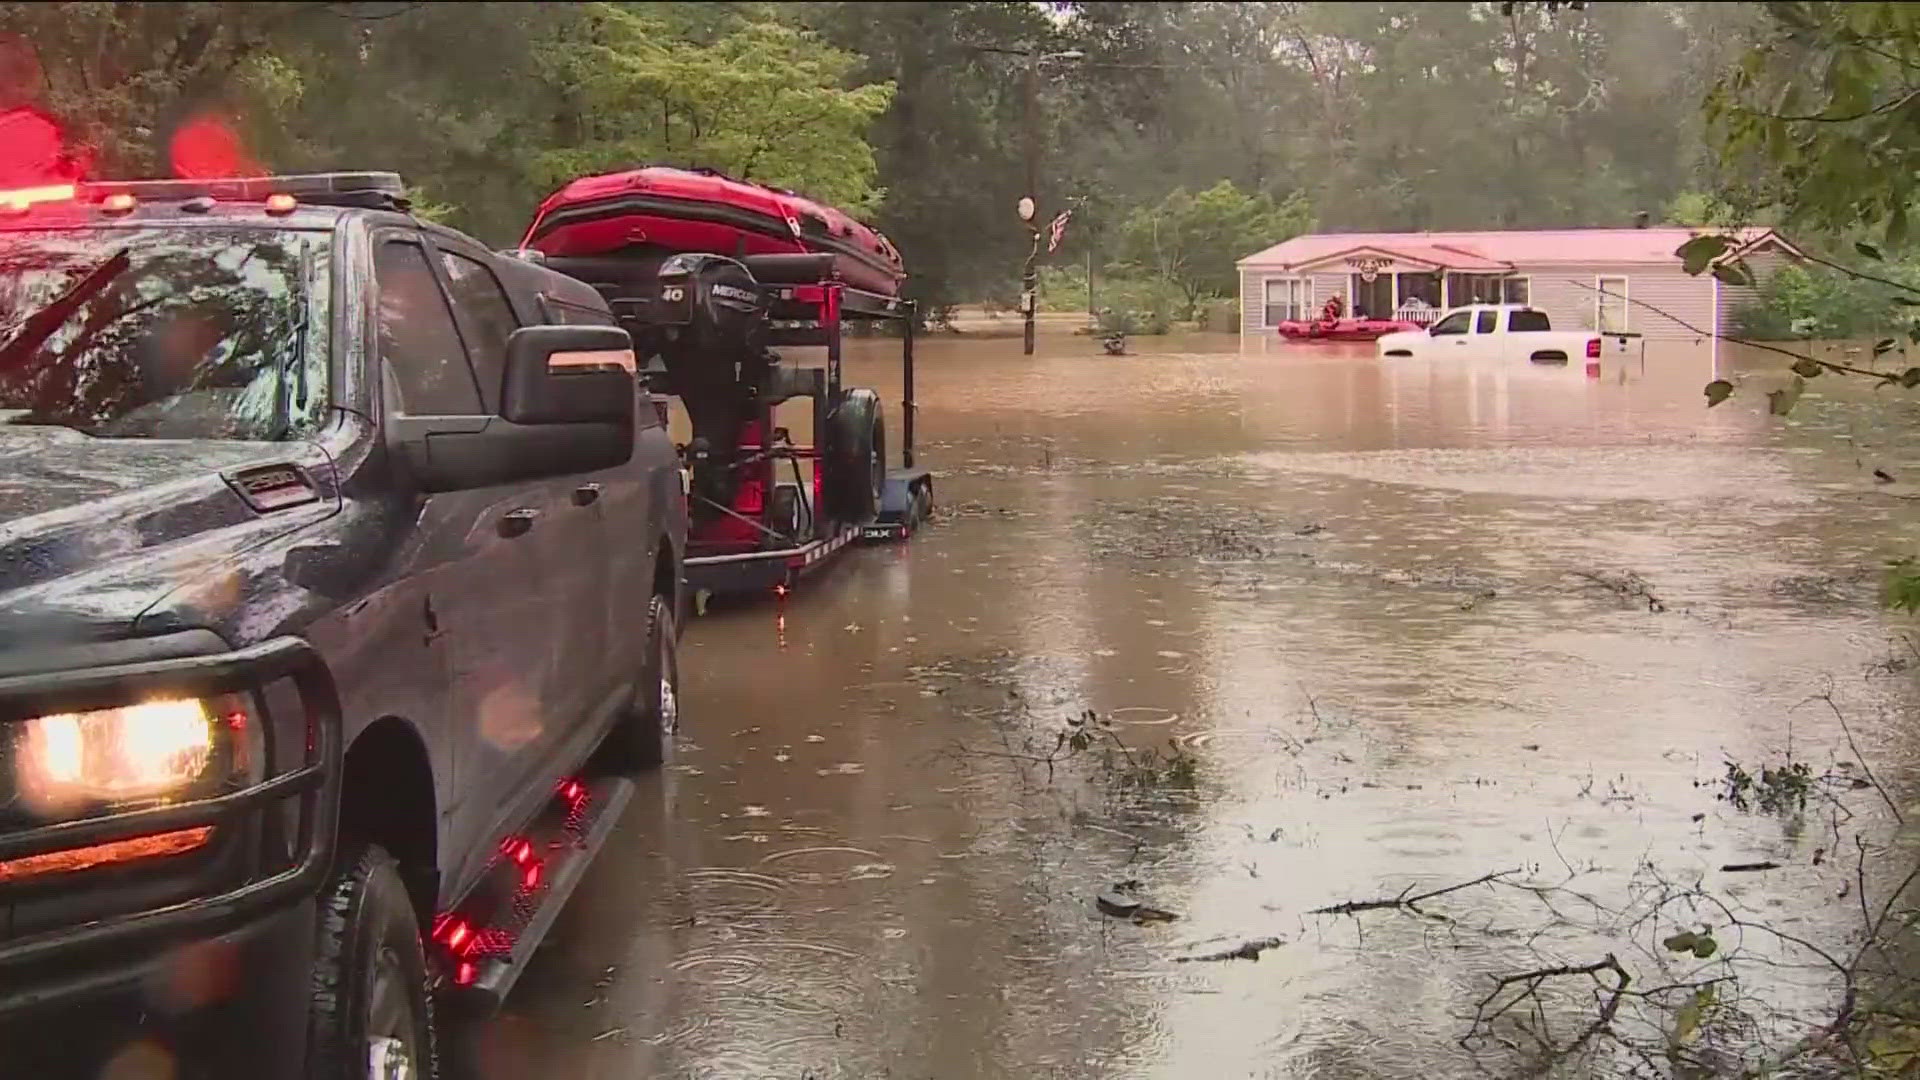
(787, 515)
(859, 463)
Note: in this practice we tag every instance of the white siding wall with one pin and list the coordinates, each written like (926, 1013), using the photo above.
(1253, 297)
(1567, 294)
(1325, 285)
(1735, 297)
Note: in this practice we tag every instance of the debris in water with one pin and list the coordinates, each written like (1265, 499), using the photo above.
(1247, 950)
(1531, 746)
(1310, 529)
(609, 1033)
(1123, 902)
(1748, 867)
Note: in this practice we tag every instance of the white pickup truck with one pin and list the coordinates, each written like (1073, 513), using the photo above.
(1504, 332)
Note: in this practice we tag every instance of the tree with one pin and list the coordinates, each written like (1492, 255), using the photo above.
(1191, 241)
(765, 101)
(1823, 113)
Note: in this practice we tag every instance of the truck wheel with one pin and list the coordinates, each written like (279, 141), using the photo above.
(860, 455)
(372, 1013)
(644, 733)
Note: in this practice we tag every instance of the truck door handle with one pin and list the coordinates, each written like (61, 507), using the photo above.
(518, 522)
(586, 494)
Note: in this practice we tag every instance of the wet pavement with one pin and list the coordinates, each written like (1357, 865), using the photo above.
(1261, 633)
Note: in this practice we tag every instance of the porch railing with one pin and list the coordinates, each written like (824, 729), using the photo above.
(1419, 315)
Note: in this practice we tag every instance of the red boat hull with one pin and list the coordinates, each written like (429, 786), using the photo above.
(1341, 329)
(656, 212)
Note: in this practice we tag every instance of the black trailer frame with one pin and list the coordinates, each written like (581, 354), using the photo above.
(811, 314)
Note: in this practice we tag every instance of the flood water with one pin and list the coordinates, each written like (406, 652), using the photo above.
(1361, 626)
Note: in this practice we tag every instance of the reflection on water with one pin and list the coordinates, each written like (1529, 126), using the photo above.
(1414, 622)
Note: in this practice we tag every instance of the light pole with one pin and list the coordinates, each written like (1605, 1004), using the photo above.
(1029, 203)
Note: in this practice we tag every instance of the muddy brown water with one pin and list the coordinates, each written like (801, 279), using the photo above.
(1412, 624)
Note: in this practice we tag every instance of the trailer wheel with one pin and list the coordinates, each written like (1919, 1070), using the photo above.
(920, 507)
(787, 514)
(859, 463)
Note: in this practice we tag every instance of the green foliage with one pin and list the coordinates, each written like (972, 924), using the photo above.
(1064, 288)
(1190, 241)
(1703, 210)
(484, 107)
(1822, 111)
(1140, 306)
(764, 100)
(1221, 315)
(1700, 943)
(1813, 302)
(1902, 588)
(1777, 790)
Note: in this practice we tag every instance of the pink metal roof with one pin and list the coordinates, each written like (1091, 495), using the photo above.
(1476, 251)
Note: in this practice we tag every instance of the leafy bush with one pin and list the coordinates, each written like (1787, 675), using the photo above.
(1063, 288)
(1811, 302)
(1219, 315)
(1152, 306)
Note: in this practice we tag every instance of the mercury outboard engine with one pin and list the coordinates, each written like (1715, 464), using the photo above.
(715, 351)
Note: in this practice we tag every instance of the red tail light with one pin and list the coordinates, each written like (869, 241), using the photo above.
(1593, 348)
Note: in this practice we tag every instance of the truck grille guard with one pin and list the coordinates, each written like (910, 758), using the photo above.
(315, 782)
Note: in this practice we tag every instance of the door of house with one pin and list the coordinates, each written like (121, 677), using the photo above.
(1610, 304)
(1374, 298)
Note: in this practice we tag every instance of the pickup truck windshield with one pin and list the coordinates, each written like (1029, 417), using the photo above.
(164, 333)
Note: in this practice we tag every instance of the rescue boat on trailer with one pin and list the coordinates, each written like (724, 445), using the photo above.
(656, 212)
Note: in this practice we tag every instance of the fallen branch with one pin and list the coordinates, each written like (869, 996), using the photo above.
(1410, 903)
(1533, 980)
(1249, 950)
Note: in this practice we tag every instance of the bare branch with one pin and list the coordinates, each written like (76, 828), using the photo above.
(1411, 903)
(1864, 767)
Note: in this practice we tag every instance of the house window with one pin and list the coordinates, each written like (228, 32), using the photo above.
(1610, 304)
(1287, 299)
(1464, 289)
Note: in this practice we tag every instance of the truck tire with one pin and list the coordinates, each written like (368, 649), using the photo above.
(371, 1001)
(644, 733)
(859, 462)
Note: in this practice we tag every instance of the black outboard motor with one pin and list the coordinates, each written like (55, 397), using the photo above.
(715, 351)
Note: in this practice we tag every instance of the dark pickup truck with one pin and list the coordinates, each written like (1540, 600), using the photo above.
(340, 561)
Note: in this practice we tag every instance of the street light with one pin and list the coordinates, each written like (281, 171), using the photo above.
(1029, 281)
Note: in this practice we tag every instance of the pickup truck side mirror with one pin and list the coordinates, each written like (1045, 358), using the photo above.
(568, 404)
(569, 375)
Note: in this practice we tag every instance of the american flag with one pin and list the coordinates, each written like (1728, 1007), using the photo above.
(1056, 230)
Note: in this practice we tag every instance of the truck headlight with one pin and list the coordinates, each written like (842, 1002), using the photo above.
(152, 750)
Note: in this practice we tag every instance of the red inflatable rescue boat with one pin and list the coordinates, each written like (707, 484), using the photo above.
(1342, 329)
(656, 212)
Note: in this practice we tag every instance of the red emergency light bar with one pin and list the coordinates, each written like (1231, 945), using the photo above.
(279, 193)
(21, 198)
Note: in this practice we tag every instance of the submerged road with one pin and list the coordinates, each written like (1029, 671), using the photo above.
(1260, 633)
